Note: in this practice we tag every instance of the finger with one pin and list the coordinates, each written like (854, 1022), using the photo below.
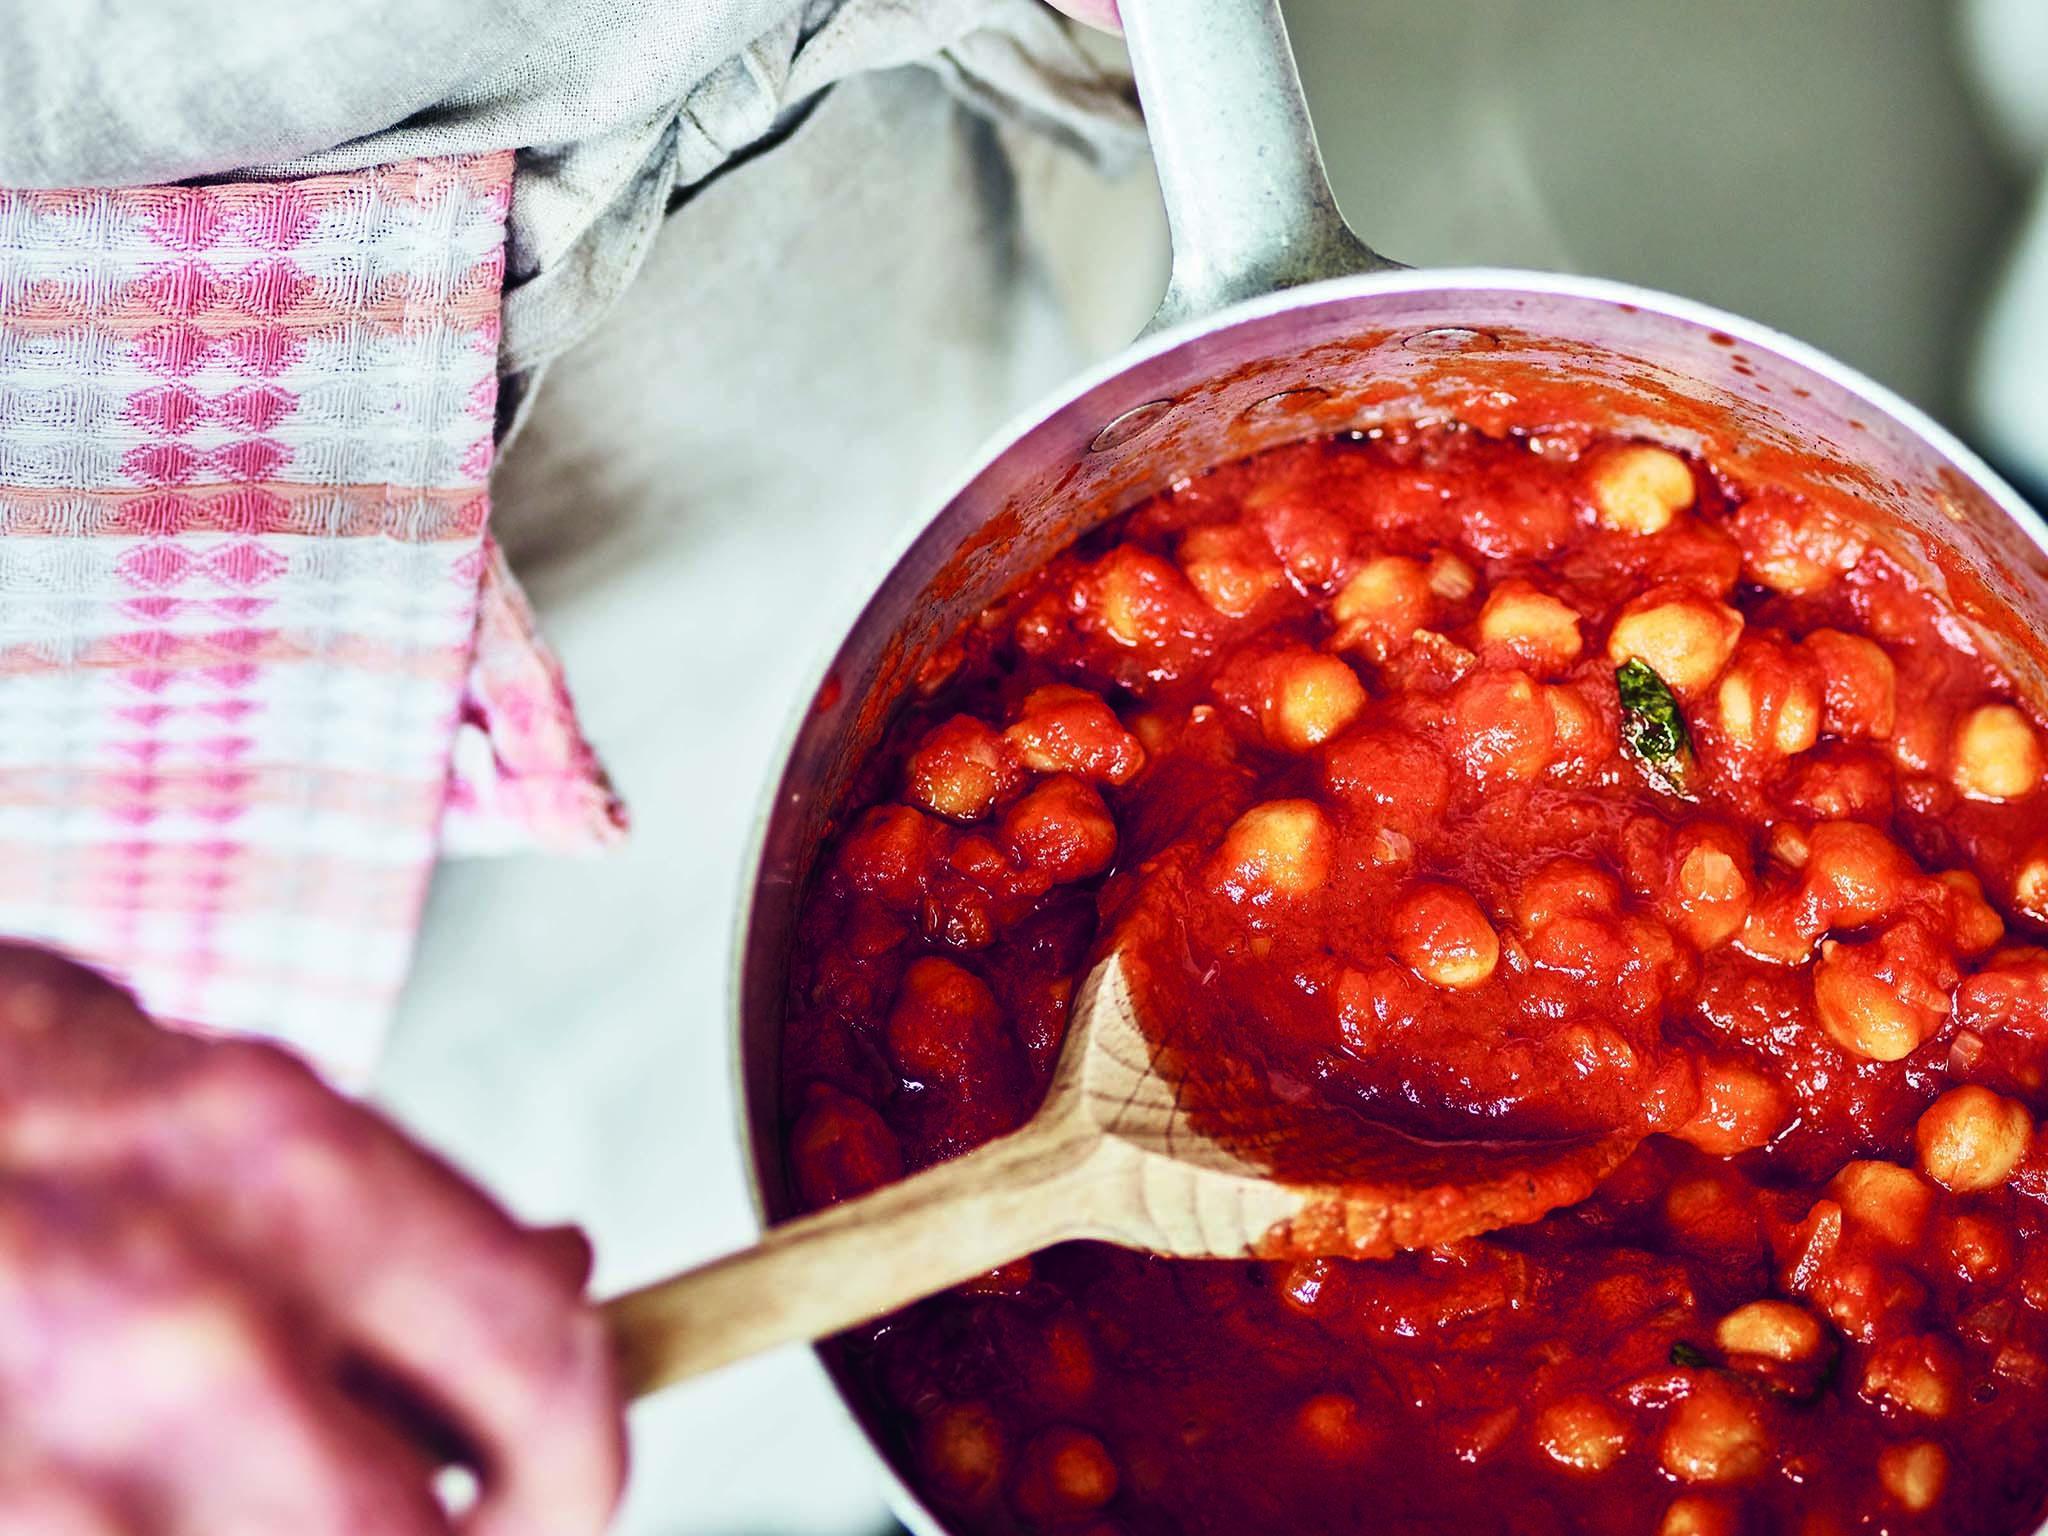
(394, 1404)
(416, 1270)
(305, 1460)
(141, 1366)
(51, 1501)
(568, 1251)
(69, 1035)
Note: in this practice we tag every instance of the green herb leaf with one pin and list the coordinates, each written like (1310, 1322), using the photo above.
(1656, 728)
(1653, 728)
(1690, 1355)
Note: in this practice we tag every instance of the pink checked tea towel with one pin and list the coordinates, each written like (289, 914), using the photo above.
(244, 435)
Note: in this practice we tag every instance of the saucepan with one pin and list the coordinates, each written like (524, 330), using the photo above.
(1278, 324)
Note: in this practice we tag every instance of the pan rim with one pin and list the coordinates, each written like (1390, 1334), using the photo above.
(775, 793)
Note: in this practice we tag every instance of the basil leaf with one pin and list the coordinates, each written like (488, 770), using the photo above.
(1653, 728)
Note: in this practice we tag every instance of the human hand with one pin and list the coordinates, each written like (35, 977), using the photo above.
(233, 1303)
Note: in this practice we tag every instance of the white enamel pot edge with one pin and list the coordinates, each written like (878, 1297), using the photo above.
(1256, 345)
(1459, 323)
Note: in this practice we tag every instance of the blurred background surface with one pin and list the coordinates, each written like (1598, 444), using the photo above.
(1821, 166)
(1856, 172)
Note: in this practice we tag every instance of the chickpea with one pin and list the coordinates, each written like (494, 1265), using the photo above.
(1450, 577)
(1775, 1330)
(1062, 1370)
(1884, 1199)
(979, 859)
(1371, 1005)
(1770, 701)
(1997, 754)
(1711, 888)
(1279, 849)
(1479, 1437)
(1396, 778)
(1309, 697)
(1684, 638)
(1856, 874)
(1692, 1515)
(889, 854)
(1435, 661)
(1914, 1473)
(841, 1147)
(1332, 1427)
(1781, 927)
(1705, 1215)
(946, 1026)
(1789, 845)
(1379, 608)
(1139, 600)
(959, 769)
(1525, 523)
(1439, 933)
(1061, 729)
(1861, 1297)
(1579, 732)
(1872, 1003)
(963, 1453)
(1307, 1283)
(1232, 566)
(1740, 1108)
(2030, 887)
(1065, 1472)
(1794, 546)
(1706, 554)
(1581, 1434)
(1920, 741)
(1565, 888)
(1313, 543)
(1593, 1050)
(1860, 685)
(1979, 1248)
(1919, 1375)
(2007, 995)
(1505, 727)
(2017, 1363)
(1639, 489)
(956, 912)
(1044, 623)
(1713, 1436)
(1976, 925)
(1837, 783)
(1972, 1139)
(1061, 829)
(1537, 627)
(1157, 730)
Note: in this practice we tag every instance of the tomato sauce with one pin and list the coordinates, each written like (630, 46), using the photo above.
(1524, 787)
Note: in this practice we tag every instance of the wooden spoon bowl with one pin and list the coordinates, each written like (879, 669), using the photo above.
(1114, 1155)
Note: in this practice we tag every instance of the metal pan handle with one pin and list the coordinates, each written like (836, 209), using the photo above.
(1247, 199)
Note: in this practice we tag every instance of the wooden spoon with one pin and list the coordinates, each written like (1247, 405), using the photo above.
(1110, 1155)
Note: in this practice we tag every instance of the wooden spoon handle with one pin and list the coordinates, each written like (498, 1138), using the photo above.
(854, 1261)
